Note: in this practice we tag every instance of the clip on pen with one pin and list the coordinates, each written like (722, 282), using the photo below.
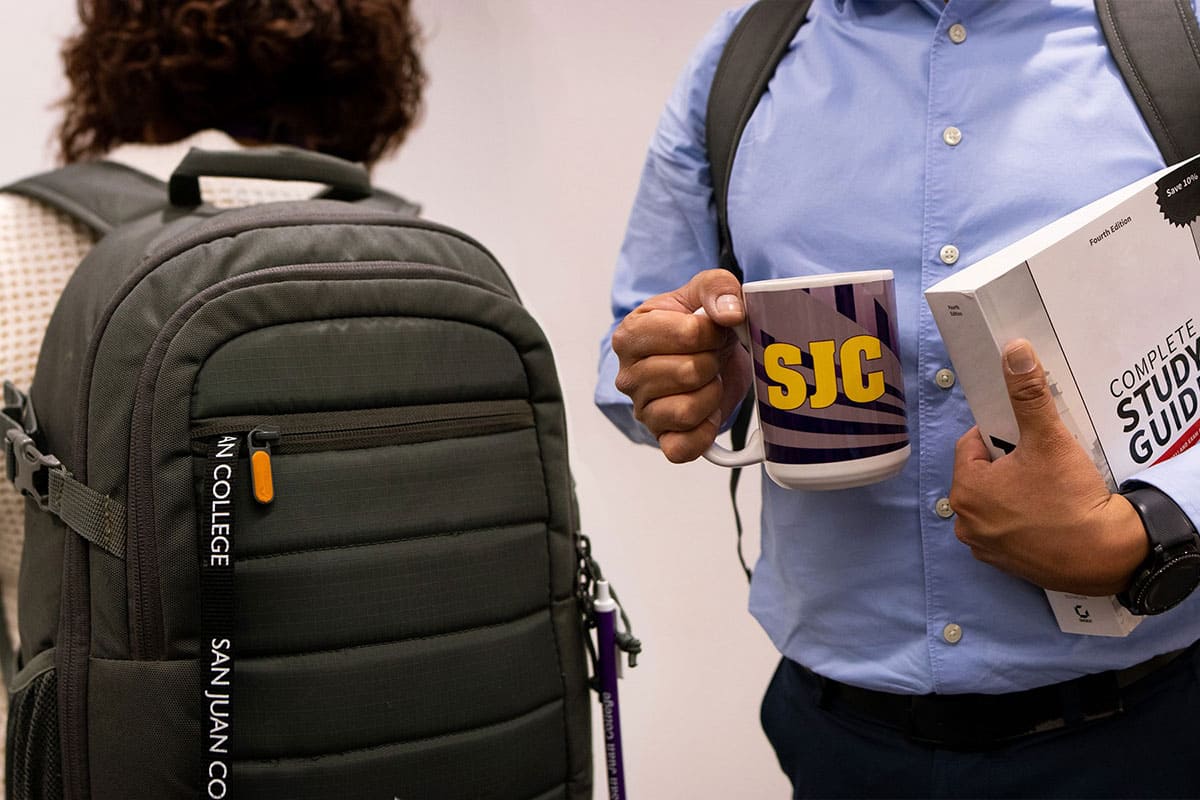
(608, 665)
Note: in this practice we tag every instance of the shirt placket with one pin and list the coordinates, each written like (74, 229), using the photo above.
(943, 247)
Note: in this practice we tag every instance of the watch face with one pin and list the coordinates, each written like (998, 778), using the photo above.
(1172, 584)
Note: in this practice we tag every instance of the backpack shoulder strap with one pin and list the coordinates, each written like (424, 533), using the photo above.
(101, 194)
(1157, 47)
(749, 59)
(389, 201)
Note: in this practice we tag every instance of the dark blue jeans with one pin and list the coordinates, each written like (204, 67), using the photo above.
(1152, 749)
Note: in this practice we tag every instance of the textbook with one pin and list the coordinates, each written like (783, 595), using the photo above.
(1109, 296)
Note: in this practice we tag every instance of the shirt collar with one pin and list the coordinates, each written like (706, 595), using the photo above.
(160, 160)
(934, 7)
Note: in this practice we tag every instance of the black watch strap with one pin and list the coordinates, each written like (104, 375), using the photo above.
(1172, 570)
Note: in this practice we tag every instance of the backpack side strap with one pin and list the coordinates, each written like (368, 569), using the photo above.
(100, 194)
(42, 478)
(1157, 48)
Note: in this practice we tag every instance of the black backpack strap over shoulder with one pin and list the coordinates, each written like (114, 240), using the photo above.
(1157, 47)
(753, 51)
(101, 194)
(749, 59)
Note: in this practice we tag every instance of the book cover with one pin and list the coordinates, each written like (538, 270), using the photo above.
(1109, 296)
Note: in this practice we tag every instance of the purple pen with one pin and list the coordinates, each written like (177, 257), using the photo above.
(610, 708)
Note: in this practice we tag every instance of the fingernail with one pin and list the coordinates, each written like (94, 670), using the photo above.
(1020, 359)
(730, 303)
(715, 418)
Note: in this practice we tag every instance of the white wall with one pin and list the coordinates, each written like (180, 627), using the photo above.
(538, 116)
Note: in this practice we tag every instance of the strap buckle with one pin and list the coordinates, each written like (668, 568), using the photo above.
(25, 465)
(28, 468)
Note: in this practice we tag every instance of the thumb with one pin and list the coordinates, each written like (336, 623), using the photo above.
(719, 293)
(1028, 391)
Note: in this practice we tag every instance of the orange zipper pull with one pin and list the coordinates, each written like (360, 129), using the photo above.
(262, 483)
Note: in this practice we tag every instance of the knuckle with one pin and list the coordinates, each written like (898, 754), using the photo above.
(957, 497)
(642, 413)
(692, 329)
(678, 448)
(625, 382)
(621, 338)
(687, 373)
(694, 372)
(1032, 391)
(675, 454)
(687, 414)
(673, 414)
(719, 280)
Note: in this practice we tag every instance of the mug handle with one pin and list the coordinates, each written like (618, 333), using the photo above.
(753, 452)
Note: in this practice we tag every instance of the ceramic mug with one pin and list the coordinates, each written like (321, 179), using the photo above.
(827, 381)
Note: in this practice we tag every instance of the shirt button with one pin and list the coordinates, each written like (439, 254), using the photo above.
(957, 33)
(942, 508)
(952, 633)
(944, 378)
(948, 254)
(952, 136)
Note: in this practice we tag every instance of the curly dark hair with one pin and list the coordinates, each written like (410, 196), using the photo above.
(339, 76)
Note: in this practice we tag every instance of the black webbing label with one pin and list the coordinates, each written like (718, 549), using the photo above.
(217, 614)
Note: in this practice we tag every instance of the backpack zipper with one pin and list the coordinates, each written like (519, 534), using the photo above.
(262, 482)
(271, 435)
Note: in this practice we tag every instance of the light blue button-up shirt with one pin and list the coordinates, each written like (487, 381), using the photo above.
(844, 166)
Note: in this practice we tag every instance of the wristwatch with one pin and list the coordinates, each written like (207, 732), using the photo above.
(1172, 570)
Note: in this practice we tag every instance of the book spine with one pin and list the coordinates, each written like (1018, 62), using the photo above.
(971, 344)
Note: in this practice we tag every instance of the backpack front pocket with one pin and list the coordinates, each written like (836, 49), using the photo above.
(391, 598)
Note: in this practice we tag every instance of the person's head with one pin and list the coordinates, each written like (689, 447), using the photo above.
(339, 76)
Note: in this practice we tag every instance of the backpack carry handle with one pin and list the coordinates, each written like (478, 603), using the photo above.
(347, 180)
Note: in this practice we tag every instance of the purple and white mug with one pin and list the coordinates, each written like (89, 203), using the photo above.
(827, 381)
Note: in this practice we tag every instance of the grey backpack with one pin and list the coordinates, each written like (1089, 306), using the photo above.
(299, 516)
